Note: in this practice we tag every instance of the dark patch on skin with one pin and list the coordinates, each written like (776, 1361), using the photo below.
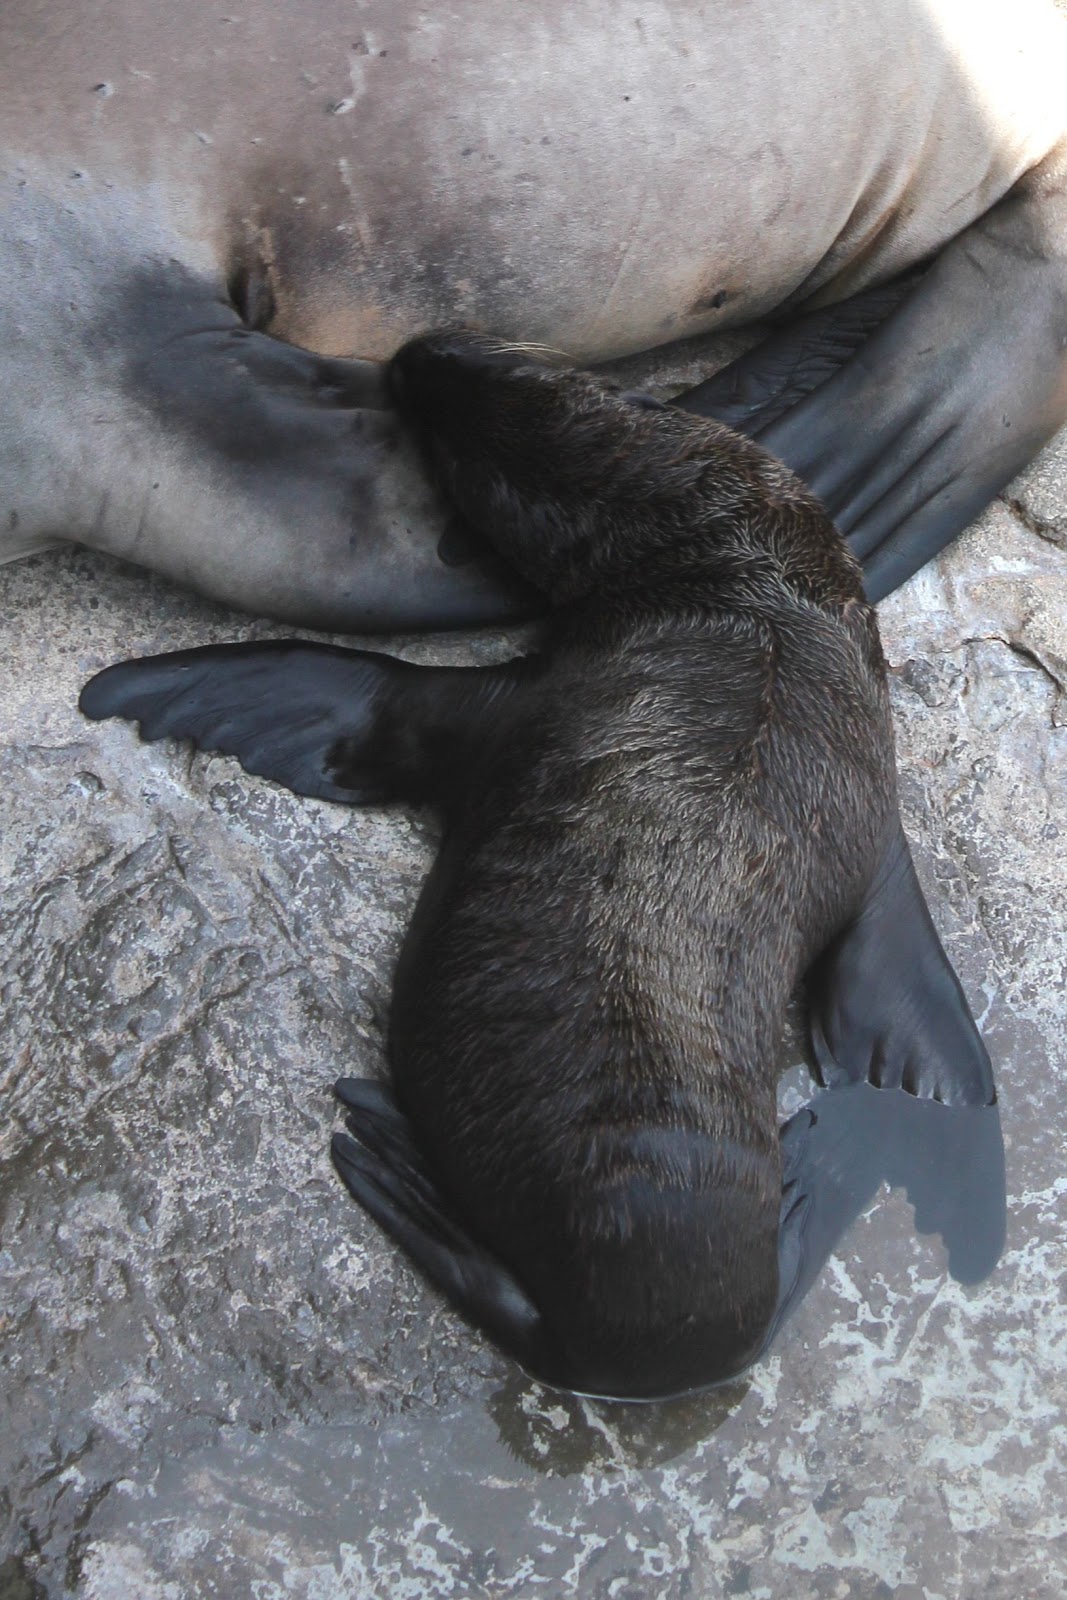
(251, 294)
(353, 247)
(710, 300)
(653, 828)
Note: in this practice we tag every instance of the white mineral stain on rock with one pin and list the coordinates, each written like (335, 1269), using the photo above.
(117, 1571)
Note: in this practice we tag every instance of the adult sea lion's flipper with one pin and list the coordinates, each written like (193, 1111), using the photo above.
(243, 466)
(383, 1169)
(946, 400)
(781, 370)
(335, 724)
(886, 1007)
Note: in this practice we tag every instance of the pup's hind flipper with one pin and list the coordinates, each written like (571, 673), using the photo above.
(840, 1148)
(335, 724)
(885, 1005)
(382, 1168)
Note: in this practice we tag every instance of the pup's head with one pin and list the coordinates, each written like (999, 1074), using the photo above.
(553, 466)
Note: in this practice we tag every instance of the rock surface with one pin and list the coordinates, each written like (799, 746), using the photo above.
(219, 1379)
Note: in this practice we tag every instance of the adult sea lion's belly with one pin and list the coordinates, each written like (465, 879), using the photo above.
(603, 176)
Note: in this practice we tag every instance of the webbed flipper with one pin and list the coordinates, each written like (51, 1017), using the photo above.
(908, 1096)
(261, 473)
(939, 406)
(753, 391)
(383, 1169)
(839, 1149)
(335, 724)
(886, 1007)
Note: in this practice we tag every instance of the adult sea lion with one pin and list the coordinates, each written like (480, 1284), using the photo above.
(204, 214)
(653, 828)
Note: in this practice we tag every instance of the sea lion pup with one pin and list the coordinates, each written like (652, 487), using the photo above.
(653, 827)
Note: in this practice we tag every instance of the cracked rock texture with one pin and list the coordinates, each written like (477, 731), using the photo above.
(218, 1378)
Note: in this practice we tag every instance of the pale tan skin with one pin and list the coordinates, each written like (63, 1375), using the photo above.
(603, 177)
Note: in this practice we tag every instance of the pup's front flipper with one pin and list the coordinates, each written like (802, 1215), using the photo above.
(886, 1006)
(336, 724)
(383, 1169)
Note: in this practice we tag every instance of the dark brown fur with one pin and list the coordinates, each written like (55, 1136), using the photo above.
(671, 812)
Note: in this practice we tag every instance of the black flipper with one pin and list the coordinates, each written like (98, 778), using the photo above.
(840, 1148)
(776, 374)
(287, 483)
(886, 1006)
(383, 1169)
(336, 724)
(950, 397)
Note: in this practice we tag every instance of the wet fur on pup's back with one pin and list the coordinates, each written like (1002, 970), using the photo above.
(665, 819)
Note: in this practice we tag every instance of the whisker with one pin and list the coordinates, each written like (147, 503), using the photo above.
(532, 348)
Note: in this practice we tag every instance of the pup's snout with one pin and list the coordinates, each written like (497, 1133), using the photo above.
(450, 363)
